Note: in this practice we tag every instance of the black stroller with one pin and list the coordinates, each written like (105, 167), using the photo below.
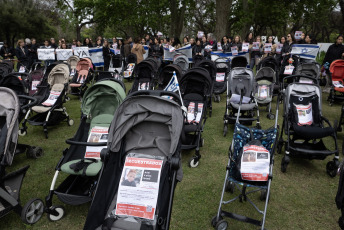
(222, 71)
(239, 61)
(6, 67)
(145, 75)
(166, 75)
(196, 89)
(197, 59)
(304, 125)
(142, 157)
(288, 68)
(10, 184)
(182, 61)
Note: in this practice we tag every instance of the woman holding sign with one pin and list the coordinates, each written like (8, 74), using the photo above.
(288, 44)
(226, 46)
(335, 51)
(279, 47)
(256, 54)
(237, 42)
(22, 55)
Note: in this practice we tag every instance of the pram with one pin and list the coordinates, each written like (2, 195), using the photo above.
(310, 69)
(248, 145)
(265, 81)
(144, 76)
(239, 61)
(102, 75)
(182, 61)
(83, 75)
(337, 75)
(288, 68)
(131, 61)
(146, 128)
(166, 75)
(222, 70)
(51, 96)
(303, 124)
(73, 62)
(196, 89)
(196, 59)
(6, 67)
(269, 62)
(10, 184)
(81, 160)
(240, 78)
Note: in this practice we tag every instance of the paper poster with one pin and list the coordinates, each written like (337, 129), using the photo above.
(127, 73)
(219, 46)
(97, 134)
(337, 84)
(171, 49)
(54, 95)
(255, 163)
(245, 47)
(279, 48)
(220, 77)
(208, 47)
(46, 54)
(267, 47)
(234, 50)
(304, 113)
(81, 52)
(255, 46)
(139, 188)
(198, 115)
(191, 112)
(34, 85)
(63, 54)
(263, 91)
(200, 34)
(288, 70)
(298, 35)
(143, 86)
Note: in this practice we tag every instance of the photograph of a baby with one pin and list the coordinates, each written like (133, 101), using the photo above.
(131, 177)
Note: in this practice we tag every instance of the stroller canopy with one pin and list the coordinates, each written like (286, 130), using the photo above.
(99, 99)
(196, 80)
(84, 64)
(266, 73)
(337, 69)
(182, 61)
(73, 61)
(6, 67)
(239, 61)
(310, 69)
(269, 62)
(241, 78)
(167, 73)
(209, 66)
(59, 75)
(132, 58)
(9, 112)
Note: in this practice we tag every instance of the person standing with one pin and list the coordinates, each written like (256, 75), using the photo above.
(32, 48)
(6, 51)
(138, 50)
(22, 55)
(106, 55)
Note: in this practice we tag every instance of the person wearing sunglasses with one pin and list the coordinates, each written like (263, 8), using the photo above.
(288, 44)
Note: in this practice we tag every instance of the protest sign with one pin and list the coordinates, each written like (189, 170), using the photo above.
(81, 52)
(63, 54)
(46, 54)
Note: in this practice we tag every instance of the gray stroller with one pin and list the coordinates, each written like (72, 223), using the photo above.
(10, 184)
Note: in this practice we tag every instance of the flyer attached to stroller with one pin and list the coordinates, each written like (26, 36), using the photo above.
(139, 187)
(263, 92)
(337, 84)
(97, 134)
(220, 77)
(34, 85)
(52, 98)
(304, 114)
(194, 116)
(255, 163)
(288, 70)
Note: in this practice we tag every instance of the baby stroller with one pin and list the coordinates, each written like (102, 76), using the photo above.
(10, 183)
(102, 75)
(51, 96)
(6, 67)
(249, 170)
(337, 75)
(182, 61)
(239, 61)
(196, 89)
(304, 125)
(288, 68)
(310, 69)
(265, 81)
(131, 61)
(220, 84)
(146, 128)
(73, 62)
(144, 76)
(83, 75)
(166, 75)
(269, 62)
(240, 79)
(81, 160)
(196, 59)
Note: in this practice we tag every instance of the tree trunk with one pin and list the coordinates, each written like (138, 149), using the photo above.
(177, 18)
(245, 29)
(222, 14)
(78, 32)
(341, 4)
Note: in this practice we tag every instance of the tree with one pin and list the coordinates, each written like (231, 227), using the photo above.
(222, 12)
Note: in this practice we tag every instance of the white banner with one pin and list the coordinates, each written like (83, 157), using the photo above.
(187, 50)
(96, 55)
(63, 54)
(307, 51)
(46, 54)
(81, 52)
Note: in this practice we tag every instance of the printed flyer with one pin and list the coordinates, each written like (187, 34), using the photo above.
(52, 98)
(97, 134)
(234, 50)
(304, 113)
(263, 91)
(255, 163)
(289, 70)
(267, 47)
(220, 77)
(245, 47)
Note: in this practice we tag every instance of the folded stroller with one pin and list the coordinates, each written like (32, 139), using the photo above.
(182, 61)
(337, 75)
(81, 160)
(222, 71)
(83, 75)
(265, 81)
(166, 75)
(304, 126)
(240, 79)
(196, 89)
(131, 61)
(239, 61)
(10, 184)
(144, 76)
(249, 170)
(6, 67)
(141, 162)
(51, 96)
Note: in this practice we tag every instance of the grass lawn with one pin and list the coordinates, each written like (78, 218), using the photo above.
(301, 198)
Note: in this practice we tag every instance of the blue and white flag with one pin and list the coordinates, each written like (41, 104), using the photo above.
(173, 85)
(96, 55)
(187, 50)
(307, 51)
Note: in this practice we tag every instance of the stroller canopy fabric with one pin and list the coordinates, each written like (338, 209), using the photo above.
(59, 75)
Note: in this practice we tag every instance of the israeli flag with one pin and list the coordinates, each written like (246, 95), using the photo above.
(173, 85)
(307, 51)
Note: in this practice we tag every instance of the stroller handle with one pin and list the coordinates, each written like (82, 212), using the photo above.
(72, 142)
(32, 103)
(158, 93)
(303, 76)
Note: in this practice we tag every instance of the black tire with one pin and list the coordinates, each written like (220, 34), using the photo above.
(221, 225)
(284, 165)
(331, 168)
(263, 194)
(225, 130)
(229, 186)
(270, 116)
(34, 152)
(32, 211)
(213, 220)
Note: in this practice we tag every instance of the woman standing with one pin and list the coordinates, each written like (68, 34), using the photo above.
(138, 50)
(335, 51)
(106, 55)
(286, 49)
(88, 43)
(156, 49)
(237, 42)
(278, 55)
(256, 54)
(22, 55)
(226, 46)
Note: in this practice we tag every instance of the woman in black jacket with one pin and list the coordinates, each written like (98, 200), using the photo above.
(286, 49)
(88, 43)
(6, 51)
(22, 55)
(106, 55)
(237, 42)
(226, 46)
(335, 51)
(156, 48)
(197, 49)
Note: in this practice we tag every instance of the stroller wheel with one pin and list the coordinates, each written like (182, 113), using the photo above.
(340, 222)
(263, 194)
(225, 129)
(229, 186)
(67, 98)
(22, 132)
(70, 122)
(221, 225)
(32, 211)
(34, 152)
(60, 210)
(201, 143)
(218, 98)
(213, 220)
(284, 164)
(194, 162)
(280, 146)
(331, 168)
(258, 126)
(270, 116)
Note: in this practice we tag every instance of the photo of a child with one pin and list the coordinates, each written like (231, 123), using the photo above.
(131, 177)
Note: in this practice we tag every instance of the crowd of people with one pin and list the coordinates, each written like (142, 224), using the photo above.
(26, 50)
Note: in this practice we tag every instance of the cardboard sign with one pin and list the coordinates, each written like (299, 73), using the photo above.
(63, 54)
(46, 54)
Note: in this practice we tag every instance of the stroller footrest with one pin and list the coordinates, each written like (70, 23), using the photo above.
(73, 199)
(241, 218)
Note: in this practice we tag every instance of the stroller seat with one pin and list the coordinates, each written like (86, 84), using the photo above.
(43, 109)
(81, 79)
(313, 132)
(244, 107)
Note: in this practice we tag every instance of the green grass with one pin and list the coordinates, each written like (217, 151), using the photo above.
(301, 198)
